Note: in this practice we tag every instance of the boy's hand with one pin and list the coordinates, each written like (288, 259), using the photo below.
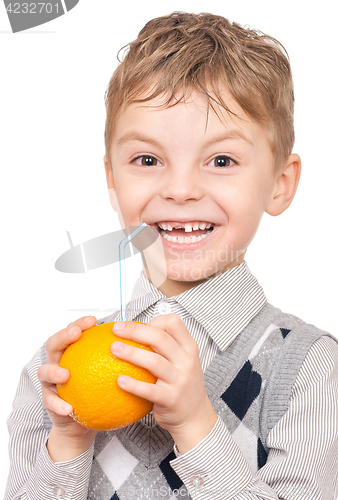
(67, 439)
(181, 404)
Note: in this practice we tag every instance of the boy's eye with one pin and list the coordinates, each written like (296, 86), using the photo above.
(222, 161)
(148, 161)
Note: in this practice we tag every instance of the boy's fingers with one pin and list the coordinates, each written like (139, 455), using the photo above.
(155, 363)
(173, 325)
(49, 376)
(84, 323)
(55, 404)
(158, 339)
(165, 333)
(151, 392)
(52, 375)
(58, 342)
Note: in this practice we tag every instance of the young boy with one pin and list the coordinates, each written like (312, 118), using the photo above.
(199, 135)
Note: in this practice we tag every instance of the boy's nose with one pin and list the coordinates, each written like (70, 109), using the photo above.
(181, 187)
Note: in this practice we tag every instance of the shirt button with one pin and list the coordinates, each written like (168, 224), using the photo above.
(59, 492)
(164, 308)
(196, 481)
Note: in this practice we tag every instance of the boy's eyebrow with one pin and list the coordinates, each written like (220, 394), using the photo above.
(230, 134)
(135, 136)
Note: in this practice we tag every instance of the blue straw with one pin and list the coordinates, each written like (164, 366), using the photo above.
(122, 246)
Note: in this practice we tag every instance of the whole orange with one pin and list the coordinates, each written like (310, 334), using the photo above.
(98, 402)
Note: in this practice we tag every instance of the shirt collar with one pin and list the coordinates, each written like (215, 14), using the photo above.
(224, 305)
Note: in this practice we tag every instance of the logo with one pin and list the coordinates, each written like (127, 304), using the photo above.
(25, 15)
(103, 250)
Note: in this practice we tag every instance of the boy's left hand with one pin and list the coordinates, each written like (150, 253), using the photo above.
(181, 404)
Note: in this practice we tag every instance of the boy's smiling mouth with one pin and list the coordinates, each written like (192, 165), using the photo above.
(178, 231)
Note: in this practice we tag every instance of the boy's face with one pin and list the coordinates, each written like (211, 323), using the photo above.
(170, 169)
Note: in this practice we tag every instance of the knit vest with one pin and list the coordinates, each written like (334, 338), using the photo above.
(249, 386)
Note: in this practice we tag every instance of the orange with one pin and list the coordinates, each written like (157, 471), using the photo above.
(98, 402)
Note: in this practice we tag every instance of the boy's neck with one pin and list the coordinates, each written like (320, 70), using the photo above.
(171, 287)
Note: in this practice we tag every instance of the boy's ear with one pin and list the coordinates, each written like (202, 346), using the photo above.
(285, 186)
(110, 183)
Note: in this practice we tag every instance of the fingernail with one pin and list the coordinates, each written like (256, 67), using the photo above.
(118, 326)
(87, 318)
(117, 346)
(59, 372)
(67, 408)
(122, 381)
(72, 331)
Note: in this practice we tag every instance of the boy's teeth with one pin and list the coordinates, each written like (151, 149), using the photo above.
(188, 227)
(186, 239)
(166, 228)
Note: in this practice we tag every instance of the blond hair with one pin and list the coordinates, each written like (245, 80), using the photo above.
(206, 52)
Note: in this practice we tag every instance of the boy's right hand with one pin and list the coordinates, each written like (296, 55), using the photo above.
(67, 438)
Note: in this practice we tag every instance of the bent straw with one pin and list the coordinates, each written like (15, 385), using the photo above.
(122, 245)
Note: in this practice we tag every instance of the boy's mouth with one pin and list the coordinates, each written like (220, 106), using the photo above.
(184, 232)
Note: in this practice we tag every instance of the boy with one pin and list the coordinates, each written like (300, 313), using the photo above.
(199, 134)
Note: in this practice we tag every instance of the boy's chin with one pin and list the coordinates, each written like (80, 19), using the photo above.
(192, 275)
(202, 273)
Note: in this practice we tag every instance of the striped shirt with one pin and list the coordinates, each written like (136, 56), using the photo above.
(304, 441)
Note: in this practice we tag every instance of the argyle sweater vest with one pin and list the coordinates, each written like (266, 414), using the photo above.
(249, 386)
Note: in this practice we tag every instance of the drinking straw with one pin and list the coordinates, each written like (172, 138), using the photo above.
(122, 245)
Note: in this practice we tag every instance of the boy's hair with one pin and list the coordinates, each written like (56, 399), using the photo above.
(206, 52)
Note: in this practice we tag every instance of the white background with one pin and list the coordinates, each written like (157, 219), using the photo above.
(53, 79)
